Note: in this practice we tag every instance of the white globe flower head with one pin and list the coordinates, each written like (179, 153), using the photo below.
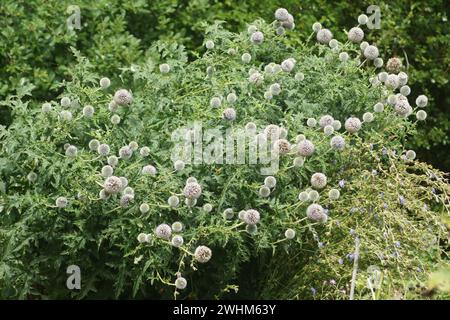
(421, 115)
(299, 138)
(179, 165)
(316, 213)
(209, 44)
(133, 145)
(251, 229)
(112, 185)
(410, 154)
(88, 111)
(334, 44)
(251, 29)
(280, 31)
(392, 99)
(125, 200)
(403, 108)
(326, 120)
(251, 216)
(71, 151)
(368, 117)
(394, 65)
(303, 196)
(328, 130)
(316, 26)
(202, 254)
(229, 114)
(281, 14)
(378, 107)
(363, 19)
(190, 202)
(318, 180)
(115, 119)
(305, 148)
(324, 36)
(149, 170)
(228, 214)
(103, 149)
(256, 78)
(257, 37)
(363, 45)
(336, 125)
(191, 179)
(337, 143)
(47, 107)
(192, 190)
(268, 95)
(180, 283)
(355, 35)
(281, 146)
(103, 194)
(288, 65)
(163, 231)
(392, 81)
(264, 192)
(231, 98)
(144, 208)
(207, 207)
(289, 234)
(334, 194)
(112, 106)
(352, 125)
(125, 152)
(65, 115)
(32, 177)
(246, 57)
(272, 131)
(173, 201)
(124, 182)
(299, 161)
(270, 182)
(65, 102)
(343, 56)
(422, 101)
(177, 227)
(164, 68)
(128, 190)
(113, 161)
(231, 51)
(145, 151)
(107, 171)
(105, 83)
(123, 97)
(405, 90)
(311, 122)
(177, 241)
(382, 76)
(378, 63)
(299, 76)
(275, 89)
(250, 127)
(402, 78)
(142, 238)
(62, 202)
(371, 52)
(313, 195)
(215, 102)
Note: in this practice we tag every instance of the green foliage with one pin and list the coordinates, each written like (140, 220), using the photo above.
(401, 201)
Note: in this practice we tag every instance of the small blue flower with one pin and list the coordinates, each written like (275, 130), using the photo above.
(342, 183)
(385, 205)
(425, 206)
(401, 199)
(340, 261)
(397, 244)
(350, 256)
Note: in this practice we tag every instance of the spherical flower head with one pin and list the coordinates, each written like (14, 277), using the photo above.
(328, 130)
(115, 119)
(128, 190)
(410, 154)
(145, 151)
(311, 122)
(173, 201)
(421, 115)
(107, 171)
(316, 213)
(112, 106)
(270, 182)
(299, 76)
(164, 68)
(229, 114)
(288, 65)
(299, 161)
(209, 44)
(202, 254)
(289, 234)
(252, 229)
(324, 36)
(177, 241)
(352, 125)
(318, 180)
(343, 56)
(268, 95)
(336, 125)
(207, 207)
(275, 89)
(280, 31)
(337, 143)
(356, 35)
(316, 26)
(112, 185)
(371, 52)
(392, 81)
(246, 57)
(123, 97)
(190, 202)
(394, 65)
(125, 152)
(303, 196)
(382, 76)
(402, 78)
(405, 90)
(142, 238)
(163, 231)
(179, 165)
(257, 37)
(144, 208)
(281, 146)
(363, 19)
(125, 200)
(272, 131)
(46, 107)
(251, 29)
(334, 44)
(191, 179)
(289, 22)
(313, 195)
(124, 182)
(149, 170)
(103, 194)
(103, 149)
(363, 45)
(228, 214)
(422, 101)
(62, 202)
(231, 98)
(65, 115)
(264, 191)
(88, 111)
(65, 102)
(177, 227)
(32, 177)
(105, 83)
(326, 120)
(180, 283)
(281, 14)
(334, 194)
(215, 102)
(71, 151)
(378, 107)
(402, 107)
(368, 117)
(392, 99)
(113, 161)
(192, 190)
(305, 148)
(251, 216)
(256, 78)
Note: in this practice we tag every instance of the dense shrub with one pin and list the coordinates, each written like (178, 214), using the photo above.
(58, 206)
